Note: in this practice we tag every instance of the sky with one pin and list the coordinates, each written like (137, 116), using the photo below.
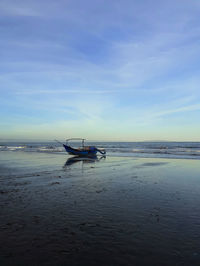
(115, 70)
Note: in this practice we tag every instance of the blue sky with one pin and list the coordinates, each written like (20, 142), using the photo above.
(103, 70)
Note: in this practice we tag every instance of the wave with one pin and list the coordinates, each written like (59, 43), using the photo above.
(32, 148)
(136, 149)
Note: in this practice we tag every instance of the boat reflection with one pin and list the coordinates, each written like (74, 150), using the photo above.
(83, 159)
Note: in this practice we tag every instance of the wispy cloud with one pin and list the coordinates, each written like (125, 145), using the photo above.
(183, 109)
(72, 91)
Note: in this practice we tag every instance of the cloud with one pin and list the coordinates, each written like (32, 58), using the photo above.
(67, 91)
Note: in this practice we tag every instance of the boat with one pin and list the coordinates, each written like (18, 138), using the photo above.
(83, 150)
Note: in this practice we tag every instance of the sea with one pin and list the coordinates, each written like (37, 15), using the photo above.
(178, 150)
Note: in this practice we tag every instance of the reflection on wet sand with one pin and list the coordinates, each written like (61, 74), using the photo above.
(84, 160)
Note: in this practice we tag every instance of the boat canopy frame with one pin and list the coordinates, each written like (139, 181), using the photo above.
(83, 140)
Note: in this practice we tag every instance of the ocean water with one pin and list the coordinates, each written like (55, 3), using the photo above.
(178, 150)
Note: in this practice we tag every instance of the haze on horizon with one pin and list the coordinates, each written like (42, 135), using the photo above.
(102, 70)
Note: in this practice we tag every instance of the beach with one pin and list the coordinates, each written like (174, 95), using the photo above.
(61, 210)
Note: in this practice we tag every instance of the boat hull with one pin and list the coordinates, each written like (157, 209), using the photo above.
(80, 152)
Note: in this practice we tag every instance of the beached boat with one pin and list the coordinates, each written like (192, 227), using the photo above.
(83, 150)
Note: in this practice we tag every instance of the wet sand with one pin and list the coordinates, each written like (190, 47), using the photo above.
(111, 211)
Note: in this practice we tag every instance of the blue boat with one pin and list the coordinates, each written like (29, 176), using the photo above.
(83, 150)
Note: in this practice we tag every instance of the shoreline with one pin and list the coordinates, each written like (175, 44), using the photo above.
(110, 155)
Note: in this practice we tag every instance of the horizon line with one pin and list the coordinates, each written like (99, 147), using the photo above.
(89, 140)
